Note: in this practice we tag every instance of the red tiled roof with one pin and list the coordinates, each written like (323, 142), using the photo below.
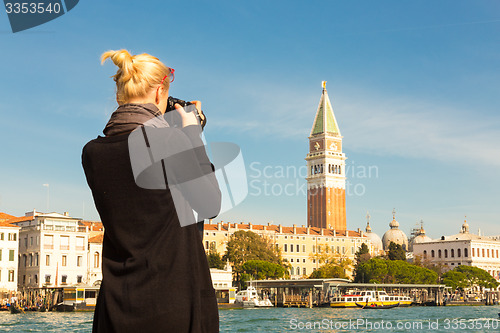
(5, 216)
(284, 229)
(97, 239)
(93, 225)
(21, 219)
(7, 224)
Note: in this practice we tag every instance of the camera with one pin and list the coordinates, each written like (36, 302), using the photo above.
(174, 118)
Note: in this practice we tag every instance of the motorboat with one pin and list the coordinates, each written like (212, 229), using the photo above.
(376, 297)
(249, 299)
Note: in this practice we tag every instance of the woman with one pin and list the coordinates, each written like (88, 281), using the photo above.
(155, 273)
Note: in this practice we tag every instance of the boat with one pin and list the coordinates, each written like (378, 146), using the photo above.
(374, 306)
(14, 309)
(61, 307)
(376, 297)
(250, 299)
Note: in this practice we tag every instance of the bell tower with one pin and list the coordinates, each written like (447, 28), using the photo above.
(326, 170)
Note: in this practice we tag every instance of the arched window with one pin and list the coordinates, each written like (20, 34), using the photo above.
(452, 253)
(439, 253)
(432, 254)
(425, 254)
(459, 253)
(466, 254)
(291, 270)
(446, 253)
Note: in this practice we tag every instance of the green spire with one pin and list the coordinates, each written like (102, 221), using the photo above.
(325, 121)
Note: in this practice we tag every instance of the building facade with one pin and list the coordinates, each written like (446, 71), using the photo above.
(52, 250)
(463, 248)
(9, 235)
(326, 179)
(301, 247)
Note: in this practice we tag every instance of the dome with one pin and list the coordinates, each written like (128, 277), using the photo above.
(465, 228)
(395, 235)
(421, 239)
(373, 237)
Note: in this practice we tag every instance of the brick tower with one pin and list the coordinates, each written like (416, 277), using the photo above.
(326, 170)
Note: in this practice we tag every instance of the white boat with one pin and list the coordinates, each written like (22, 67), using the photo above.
(369, 297)
(250, 299)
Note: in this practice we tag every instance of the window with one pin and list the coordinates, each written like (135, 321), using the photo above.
(64, 242)
(31, 241)
(11, 255)
(64, 260)
(26, 241)
(36, 278)
(304, 271)
(24, 279)
(291, 247)
(80, 246)
(78, 279)
(473, 252)
(31, 260)
(298, 248)
(285, 248)
(303, 248)
(47, 278)
(446, 253)
(48, 242)
(207, 244)
(47, 260)
(425, 254)
(11, 275)
(96, 259)
(466, 254)
(79, 261)
(12, 237)
(64, 278)
(291, 270)
(439, 253)
(1, 235)
(452, 253)
(483, 253)
(314, 248)
(459, 253)
(432, 253)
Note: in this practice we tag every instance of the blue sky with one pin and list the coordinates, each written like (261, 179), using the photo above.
(414, 85)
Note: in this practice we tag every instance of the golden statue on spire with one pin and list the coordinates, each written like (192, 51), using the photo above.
(323, 84)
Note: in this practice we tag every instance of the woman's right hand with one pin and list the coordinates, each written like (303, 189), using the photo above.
(188, 118)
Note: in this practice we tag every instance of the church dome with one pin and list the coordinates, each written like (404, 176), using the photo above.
(373, 237)
(395, 235)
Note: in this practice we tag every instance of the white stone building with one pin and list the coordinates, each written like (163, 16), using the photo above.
(463, 248)
(52, 250)
(94, 273)
(9, 235)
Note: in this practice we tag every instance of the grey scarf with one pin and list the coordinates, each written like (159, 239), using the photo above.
(128, 117)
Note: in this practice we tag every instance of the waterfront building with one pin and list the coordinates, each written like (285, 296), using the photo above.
(94, 259)
(299, 245)
(326, 170)
(52, 250)
(9, 235)
(376, 242)
(395, 235)
(463, 248)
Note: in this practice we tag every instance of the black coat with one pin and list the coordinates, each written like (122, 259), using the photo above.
(155, 272)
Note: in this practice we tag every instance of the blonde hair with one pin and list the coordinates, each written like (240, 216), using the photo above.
(136, 75)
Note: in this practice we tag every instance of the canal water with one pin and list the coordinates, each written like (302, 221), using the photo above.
(412, 319)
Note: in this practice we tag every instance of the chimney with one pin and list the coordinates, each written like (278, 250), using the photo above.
(334, 233)
(66, 213)
(219, 226)
(249, 226)
(268, 223)
(308, 231)
(294, 229)
(280, 229)
(322, 234)
(303, 226)
(210, 221)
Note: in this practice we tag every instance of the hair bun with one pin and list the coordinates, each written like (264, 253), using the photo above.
(124, 60)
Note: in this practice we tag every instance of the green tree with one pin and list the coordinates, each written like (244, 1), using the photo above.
(475, 276)
(396, 252)
(261, 270)
(246, 245)
(331, 270)
(377, 270)
(362, 254)
(454, 279)
(214, 259)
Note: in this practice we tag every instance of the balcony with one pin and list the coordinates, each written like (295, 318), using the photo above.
(64, 247)
(48, 246)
